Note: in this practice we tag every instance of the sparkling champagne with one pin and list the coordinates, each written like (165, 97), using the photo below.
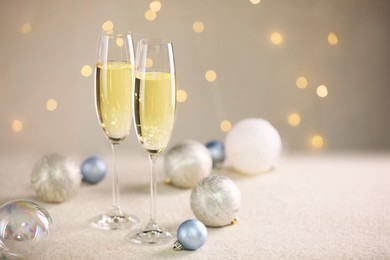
(113, 98)
(154, 109)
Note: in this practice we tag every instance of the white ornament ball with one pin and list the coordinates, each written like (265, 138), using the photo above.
(252, 146)
(215, 201)
(55, 178)
(187, 163)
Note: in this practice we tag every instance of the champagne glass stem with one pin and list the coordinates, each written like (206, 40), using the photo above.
(115, 179)
(153, 188)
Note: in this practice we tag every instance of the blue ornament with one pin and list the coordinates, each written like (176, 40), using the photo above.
(93, 170)
(217, 152)
(191, 235)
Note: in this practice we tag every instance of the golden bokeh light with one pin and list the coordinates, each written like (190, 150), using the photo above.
(181, 96)
(317, 142)
(255, 2)
(225, 125)
(150, 15)
(198, 27)
(149, 62)
(155, 6)
(211, 75)
(322, 91)
(26, 28)
(17, 126)
(276, 38)
(301, 82)
(119, 42)
(51, 104)
(86, 71)
(108, 26)
(294, 119)
(333, 39)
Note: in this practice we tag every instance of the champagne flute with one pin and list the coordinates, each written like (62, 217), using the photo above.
(113, 90)
(154, 102)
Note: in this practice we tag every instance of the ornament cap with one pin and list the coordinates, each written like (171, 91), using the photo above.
(177, 246)
(235, 220)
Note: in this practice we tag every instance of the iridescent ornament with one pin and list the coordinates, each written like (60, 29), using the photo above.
(24, 230)
(252, 146)
(191, 235)
(216, 201)
(93, 170)
(187, 163)
(217, 152)
(55, 178)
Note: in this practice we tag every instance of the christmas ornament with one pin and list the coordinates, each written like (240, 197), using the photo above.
(191, 235)
(187, 163)
(24, 230)
(217, 152)
(55, 178)
(215, 201)
(93, 170)
(252, 146)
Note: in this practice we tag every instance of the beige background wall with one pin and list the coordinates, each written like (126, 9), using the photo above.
(255, 78)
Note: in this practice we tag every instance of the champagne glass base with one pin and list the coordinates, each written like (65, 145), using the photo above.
(152, 235)
(111, 221)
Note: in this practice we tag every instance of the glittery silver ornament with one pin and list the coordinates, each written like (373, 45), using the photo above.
(215, 201)
(252, 146)
(191, 235)
(24, 230)
(187, 163)
(55, 178)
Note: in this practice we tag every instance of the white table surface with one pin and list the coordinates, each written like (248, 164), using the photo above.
(309, 207)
